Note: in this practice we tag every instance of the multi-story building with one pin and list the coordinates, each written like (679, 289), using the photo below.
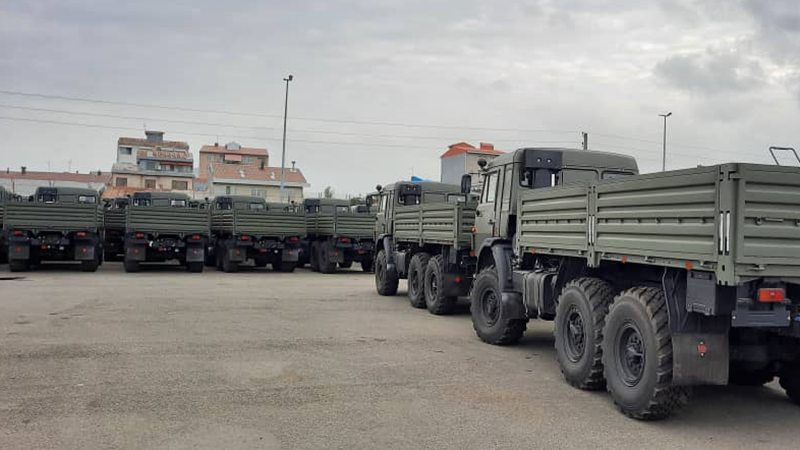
(230, 154)
(462, 158)
(152, 164)
(232, 179)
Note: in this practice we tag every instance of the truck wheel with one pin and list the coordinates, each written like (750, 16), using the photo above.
(637, 356)
(346, 264)
(195, 266)
(284, 266)
(739, 375)
(435, 300)
(314, 257)
(366, 264)
(385, 282)
(325, 263)
(89, 266)
(229, 266)
(260, 261)
(487, 312)
(580, 317)
(17, 265)
(131, 265)
(790, 381)
(416, 279)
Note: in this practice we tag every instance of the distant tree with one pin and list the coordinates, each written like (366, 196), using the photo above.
(328, 192)
(357, 200)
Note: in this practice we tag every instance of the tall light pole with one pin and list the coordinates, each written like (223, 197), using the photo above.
(283, 153)
(664, 155)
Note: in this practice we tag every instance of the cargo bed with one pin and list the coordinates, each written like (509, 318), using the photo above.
(737, 220)
(166, 220)
(435, 223)
(43, 217)
(341, 224)
(261, 223)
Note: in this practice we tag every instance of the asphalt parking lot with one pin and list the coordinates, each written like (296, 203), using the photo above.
(257, 359)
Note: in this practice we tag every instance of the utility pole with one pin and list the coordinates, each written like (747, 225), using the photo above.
(585, 140)
(664, 154)
(283, 153)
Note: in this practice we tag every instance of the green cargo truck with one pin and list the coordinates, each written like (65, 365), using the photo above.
(114, 228)
(655, 282)
(337, 235)
(424, 234)
(248, 228)
(54, 224)
(5, 197)
(164, 226)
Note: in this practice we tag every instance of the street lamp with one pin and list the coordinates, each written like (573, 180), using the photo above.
(283, 153)
(664, 155)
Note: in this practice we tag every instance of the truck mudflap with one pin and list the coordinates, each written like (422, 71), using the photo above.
(290, 255)
(195, 253)
(235, 253)
(700, 359)
(511, 299)
(84, 250)
(19, 250)
(456, 284)
(136, 252)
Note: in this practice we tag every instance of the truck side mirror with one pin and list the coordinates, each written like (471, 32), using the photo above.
(466, 184)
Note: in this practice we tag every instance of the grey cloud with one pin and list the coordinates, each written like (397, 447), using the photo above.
(711, 72)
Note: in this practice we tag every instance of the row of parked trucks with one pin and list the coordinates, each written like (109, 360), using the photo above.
(71, 224)
(656, 283)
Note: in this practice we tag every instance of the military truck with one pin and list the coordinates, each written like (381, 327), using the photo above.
(248, 228)
(337, 235)
(54, 224)
(114, 228)
(424, 234)
(655, 282)
(5, 196)
(164, 226)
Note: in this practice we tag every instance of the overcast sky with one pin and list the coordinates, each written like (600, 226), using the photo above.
(513, 73)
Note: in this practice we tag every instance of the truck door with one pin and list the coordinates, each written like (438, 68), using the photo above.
(485, 217)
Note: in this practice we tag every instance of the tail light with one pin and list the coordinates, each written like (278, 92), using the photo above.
(17, 232)
(294, 239)
(474, 230)
(195, 237)
(345, 240)
(139, 235)
(80, 234)
(771, 295)
(244, 238)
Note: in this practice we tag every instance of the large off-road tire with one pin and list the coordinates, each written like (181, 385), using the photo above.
(435, 300)
(284, 266)
(580, 317)
(416, 279)
(790, 381)
(490, 322)
(260, 261)
(195, 266)
(90, 266)
(348, 263)
(366, 264)
(228, 266)
(637, 356)
(314, 256)
(131, 265)
(326, 265)
(741, 375)
(385, 282)
(18, 265)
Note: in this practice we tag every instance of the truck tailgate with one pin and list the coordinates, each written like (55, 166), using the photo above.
(263, 223)
(177, 221)
(51, 217)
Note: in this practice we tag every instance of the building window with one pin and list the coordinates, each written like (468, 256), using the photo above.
(180, 185)
(122, 181)
(209, 158)
(258, 193)
(125, 150)
(150, 184)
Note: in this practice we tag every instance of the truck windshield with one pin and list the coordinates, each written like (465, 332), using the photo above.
(87, 199)
(177, 203)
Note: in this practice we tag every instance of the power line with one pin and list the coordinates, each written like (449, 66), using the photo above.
(251, 114)
(261, 138)
(229, 125)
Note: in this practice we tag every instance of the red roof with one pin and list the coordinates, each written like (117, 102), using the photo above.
(58, 176)
(247, 151)
(463, 147)
(244, 172)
